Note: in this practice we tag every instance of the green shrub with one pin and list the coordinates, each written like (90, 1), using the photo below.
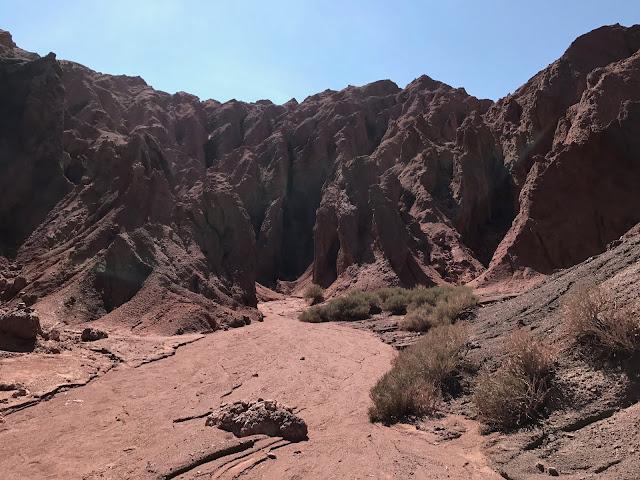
(370, 298)
(396, 303)
(419, 319)
(422, 295)
(515, 394)
(355, 306)
(432, 306)
(435, 306)
(314, 293)
(414, 384)
(598, 324)
(385, 293)
(313, 315)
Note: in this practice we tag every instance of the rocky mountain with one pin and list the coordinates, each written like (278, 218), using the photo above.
(159, 212)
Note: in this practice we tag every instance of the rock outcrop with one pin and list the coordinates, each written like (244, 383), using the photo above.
(266, 417)
(20, 324)
(569, 136)
(159, 212)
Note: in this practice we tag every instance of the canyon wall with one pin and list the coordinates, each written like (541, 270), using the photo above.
(159, 212)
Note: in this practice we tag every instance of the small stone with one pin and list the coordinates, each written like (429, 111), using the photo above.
(6, 387)
(92, 334)
(54, 334)
(272, 456)
(22, 392)
(553, 472)
(301, 358)
(540, 466)
(255, 375)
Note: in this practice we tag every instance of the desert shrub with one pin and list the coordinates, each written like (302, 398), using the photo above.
(385, 293)
(399, 393)
(422, 295)
(516, 393)
(355, 306)
(444, 303)
(529, 357)
(314, 293)
(435, 306)
(418, 320)
(414, 384)
(396, 303)
(596, 322)
(371, 298)
(313, 315)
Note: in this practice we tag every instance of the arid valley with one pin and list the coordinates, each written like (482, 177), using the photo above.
(377, 282)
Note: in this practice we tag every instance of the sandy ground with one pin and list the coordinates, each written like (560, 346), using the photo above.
(121, 424)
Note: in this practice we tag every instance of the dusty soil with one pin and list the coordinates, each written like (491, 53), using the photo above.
(146, 420)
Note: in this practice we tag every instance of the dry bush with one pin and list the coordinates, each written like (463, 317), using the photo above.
(314, 293)
(529, 357)
(436, 306)
(354, 306)
(370, 298)
(396, 303)
(414, 384)
(595, 321)
(399, 394)
(517, 391)
(418, 320)
(385, 293)
(313, 315)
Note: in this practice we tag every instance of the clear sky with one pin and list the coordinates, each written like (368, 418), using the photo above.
(279, 49)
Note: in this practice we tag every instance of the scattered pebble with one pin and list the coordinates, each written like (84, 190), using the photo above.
(22, 392)
(553, 472)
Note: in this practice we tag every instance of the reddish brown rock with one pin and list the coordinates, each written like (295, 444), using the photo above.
(160, 212)
(21, 324)
(582, 187)
(266, 417)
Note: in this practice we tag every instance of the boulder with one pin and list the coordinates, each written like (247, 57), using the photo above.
(91, 334)
(22, 324)
(266, 417)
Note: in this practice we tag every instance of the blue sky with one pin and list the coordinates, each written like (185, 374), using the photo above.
(251, 50)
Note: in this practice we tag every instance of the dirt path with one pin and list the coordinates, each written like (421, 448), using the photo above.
(121, 425)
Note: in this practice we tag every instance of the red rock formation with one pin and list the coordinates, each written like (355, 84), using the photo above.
(579, 180)
(159, 212)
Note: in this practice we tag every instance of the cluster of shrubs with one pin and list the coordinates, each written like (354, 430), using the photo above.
(518, 392)
(356, 305)
(414, 384)
(423, 307)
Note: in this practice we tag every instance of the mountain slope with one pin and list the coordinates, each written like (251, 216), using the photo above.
(160, 212)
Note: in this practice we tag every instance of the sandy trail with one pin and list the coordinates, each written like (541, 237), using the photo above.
(121, 424)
